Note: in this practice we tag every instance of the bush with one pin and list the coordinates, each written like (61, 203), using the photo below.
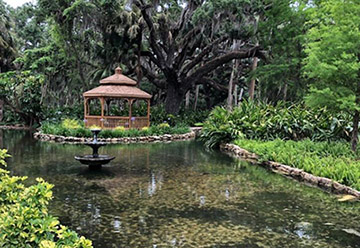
(268, 122)
(73, 128)
(24, 218)
(70, 124)
(333, 160)
(185, 117)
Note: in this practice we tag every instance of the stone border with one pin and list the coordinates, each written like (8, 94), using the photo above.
(140, 139)
(298, 174)
(5, 127)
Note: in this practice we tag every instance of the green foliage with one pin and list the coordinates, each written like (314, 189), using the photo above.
(8, 49)
(70, 124)
(281, 33)
(333, 160)
(185, 117)
(332, 61)
(72, 128)
(24, 218)
(21, 91)
(267, 122)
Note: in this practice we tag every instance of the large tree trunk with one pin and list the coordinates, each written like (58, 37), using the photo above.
(252, 82)
(231, 86)
(173, 100)
(187, 100)
(285, 92)
(196, 96)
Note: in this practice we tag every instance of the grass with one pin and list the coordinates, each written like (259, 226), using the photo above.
(333, 160)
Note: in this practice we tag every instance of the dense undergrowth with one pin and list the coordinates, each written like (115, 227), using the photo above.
(267, 122)
(333, 160)
(71, 127)
(24, 218)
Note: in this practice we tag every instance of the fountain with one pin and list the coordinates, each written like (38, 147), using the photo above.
(95, 161)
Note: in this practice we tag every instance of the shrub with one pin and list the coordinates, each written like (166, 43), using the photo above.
(186, 117)
(24, 218)
(70, 124)
(268, 122)
(120, 128)
(164, 125)
(118, 132)
(94, 127)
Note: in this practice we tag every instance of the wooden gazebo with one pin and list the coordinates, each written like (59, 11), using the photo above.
(116, 86)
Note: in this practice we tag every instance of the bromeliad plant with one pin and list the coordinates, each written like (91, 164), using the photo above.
(267, 122)
(24, 218)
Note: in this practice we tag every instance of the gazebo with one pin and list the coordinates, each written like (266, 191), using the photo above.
(111, 88)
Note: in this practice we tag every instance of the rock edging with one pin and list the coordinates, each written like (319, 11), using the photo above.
(15, 127)
(140, 139)
(298, 174)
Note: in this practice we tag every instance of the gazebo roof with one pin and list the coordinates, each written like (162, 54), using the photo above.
(118, 78)
(117, 86)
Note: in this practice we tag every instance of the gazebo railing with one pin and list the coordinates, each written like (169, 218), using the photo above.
(110, 122)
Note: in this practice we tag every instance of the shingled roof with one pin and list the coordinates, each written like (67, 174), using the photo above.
(117, 86)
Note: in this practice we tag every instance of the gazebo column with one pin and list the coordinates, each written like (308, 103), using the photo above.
(85, 107)
(130, 111)
(102, 112)
(108, 101)
(148, 112)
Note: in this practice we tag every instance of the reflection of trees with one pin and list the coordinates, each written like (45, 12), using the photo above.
(123, 211)
(179, 194)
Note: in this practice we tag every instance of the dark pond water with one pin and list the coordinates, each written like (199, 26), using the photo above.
(180, 195)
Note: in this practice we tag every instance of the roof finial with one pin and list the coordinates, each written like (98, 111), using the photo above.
(118, 70)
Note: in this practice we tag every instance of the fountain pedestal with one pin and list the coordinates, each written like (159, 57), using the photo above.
(95, 161)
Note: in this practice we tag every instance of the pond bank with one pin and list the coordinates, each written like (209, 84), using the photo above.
(141, 139)
(15, 127)
(298, 174)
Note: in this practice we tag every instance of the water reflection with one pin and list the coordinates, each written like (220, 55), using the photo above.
(180, 195)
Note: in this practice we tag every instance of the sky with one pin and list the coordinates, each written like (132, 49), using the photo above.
(17, 3)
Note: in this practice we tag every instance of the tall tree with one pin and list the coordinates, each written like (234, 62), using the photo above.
(8, 49)
(281, 33)
(187, 40)
(333, 58)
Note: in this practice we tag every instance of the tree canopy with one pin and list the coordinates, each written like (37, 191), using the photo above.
(188, 52)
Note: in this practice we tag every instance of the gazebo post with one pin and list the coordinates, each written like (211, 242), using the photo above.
(102, 112)
(108, 101)
(85, 107)
(148, 112)
(130, 111)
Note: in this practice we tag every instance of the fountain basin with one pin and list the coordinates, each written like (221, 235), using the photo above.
(94, 162)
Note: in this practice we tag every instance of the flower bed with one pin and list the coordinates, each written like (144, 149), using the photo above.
(73, 131)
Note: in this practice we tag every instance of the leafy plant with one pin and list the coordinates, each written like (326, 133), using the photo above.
(70, 124)
(267, 122)
(72, 128)
(24, 218)
(334, 160)
(21, 92)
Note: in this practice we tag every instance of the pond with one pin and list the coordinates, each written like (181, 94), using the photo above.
(181, 195)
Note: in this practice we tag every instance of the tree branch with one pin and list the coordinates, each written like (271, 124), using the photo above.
(214, 63)
(153, 34)
(152, 77)
(201, 55)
